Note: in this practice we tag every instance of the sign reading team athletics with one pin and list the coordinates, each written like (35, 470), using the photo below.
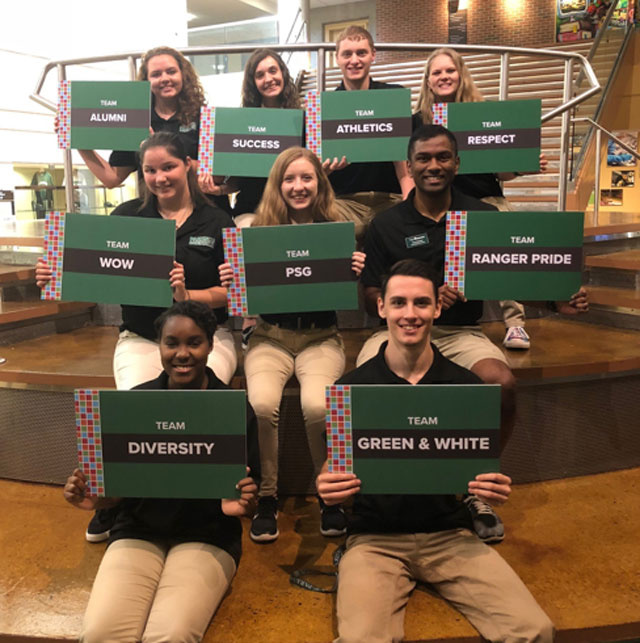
(112, 115)
(291, 268)
(413, 439)
(514, 255)
(246, 141)
(162, 444)
(494, 136)
(361, 125)
(111, 260)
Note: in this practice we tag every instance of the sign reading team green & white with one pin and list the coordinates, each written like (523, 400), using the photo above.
(430, 439)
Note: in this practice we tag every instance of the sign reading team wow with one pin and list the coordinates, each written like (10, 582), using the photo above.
(113, 260)
(162, 444)
(494, 136)
(103, 115)
(291, 268)
(514, 255)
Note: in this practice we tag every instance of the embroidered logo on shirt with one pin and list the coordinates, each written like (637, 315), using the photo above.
(417, 240)
(188, 128)
(208, 242)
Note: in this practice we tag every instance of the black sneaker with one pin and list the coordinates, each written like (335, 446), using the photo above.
(100, 525)
(486, 522)
(264, 526)
(333, 522)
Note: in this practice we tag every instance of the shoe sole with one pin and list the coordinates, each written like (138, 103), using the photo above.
(264, 538)
(332, 533)
(97, 538)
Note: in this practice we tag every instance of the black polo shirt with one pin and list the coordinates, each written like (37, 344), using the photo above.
(198, 248)
(401, 232)
(398, 513)
(176, 520)
(379, 176)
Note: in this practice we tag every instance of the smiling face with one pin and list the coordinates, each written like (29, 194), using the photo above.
(433, 164)
(354, 59)
(443, 78)
(165, 175)
(269, 81)
(165, 77)
(299, 187)
(184, 349)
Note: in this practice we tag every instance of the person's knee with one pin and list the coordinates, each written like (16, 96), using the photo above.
(265, 407)
(493, 371)
(540, 629)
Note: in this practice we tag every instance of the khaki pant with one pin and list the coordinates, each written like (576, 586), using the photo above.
(147, 592)
(378, 572)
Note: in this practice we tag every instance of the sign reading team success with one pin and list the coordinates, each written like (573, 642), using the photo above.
(162, 444)
(363, 126)
(111, 260)
(245, 141)
(291, 268)
(108, 115)
(514, 255)
(494, 136)
(413, 439)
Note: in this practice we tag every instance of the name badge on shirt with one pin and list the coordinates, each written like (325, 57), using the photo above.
(207, 242)
(417, 240)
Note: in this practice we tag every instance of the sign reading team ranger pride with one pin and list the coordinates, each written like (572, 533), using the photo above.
(111, 260)
(494, 136)
(514, 255)
(428, 439)
(361, 125)
(162, 444)
(291, 268)
(246, 141)
(110, 115)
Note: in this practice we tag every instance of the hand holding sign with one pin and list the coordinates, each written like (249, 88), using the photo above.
(493, 488)
(335, 488)
(245, 505)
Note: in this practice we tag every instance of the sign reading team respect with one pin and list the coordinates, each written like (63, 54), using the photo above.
(291, 268)
(494, 136)
(246, 141)
(514, 255)
(430, 439)
(162, 444)
(103, 115)
(111, 260)
(363, 126)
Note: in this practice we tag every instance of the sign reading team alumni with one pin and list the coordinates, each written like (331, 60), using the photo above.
(514, 255)
(112, 260)
(291, 268)
(361, 125)
(494, 136)
(162, 444)
(103, 115)
(246, 141)
(413, 439)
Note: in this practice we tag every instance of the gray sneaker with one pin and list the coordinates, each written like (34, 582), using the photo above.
(486, 522)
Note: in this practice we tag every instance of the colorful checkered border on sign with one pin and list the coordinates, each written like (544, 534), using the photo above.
(339, 439)
(440, 114)
(87, 403)
(234, 255)
(54, 254)
(205, 144)
(456, 245)
(64, 115)
(313, 123)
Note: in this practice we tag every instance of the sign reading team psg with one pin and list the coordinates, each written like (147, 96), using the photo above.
(514, 255)
(361, 125)
(413, 439)
(291, 268)
(111, 260)
(161, 444)
(246, 141)
(110, 115)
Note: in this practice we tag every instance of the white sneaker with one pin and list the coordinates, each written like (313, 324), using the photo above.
(517, 337)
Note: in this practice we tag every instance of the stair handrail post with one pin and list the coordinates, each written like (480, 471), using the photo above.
(564, 136)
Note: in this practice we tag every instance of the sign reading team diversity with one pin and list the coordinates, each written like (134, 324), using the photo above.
(291, 268)
(103, 115)
(413, 439)
(494, 136)
(361, 125)
(246, 141)
(162, 444)
(514, 255)
(111, 260)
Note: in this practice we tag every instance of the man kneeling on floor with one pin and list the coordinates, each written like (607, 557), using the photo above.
(396, 540)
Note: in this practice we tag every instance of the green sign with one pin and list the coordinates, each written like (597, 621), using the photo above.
(494, 136)
(291, 268)
(112, 260)
(103, 115)
(514, 255)
(361, 125)
(162, 444)
(430, 439)
(246, 141)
